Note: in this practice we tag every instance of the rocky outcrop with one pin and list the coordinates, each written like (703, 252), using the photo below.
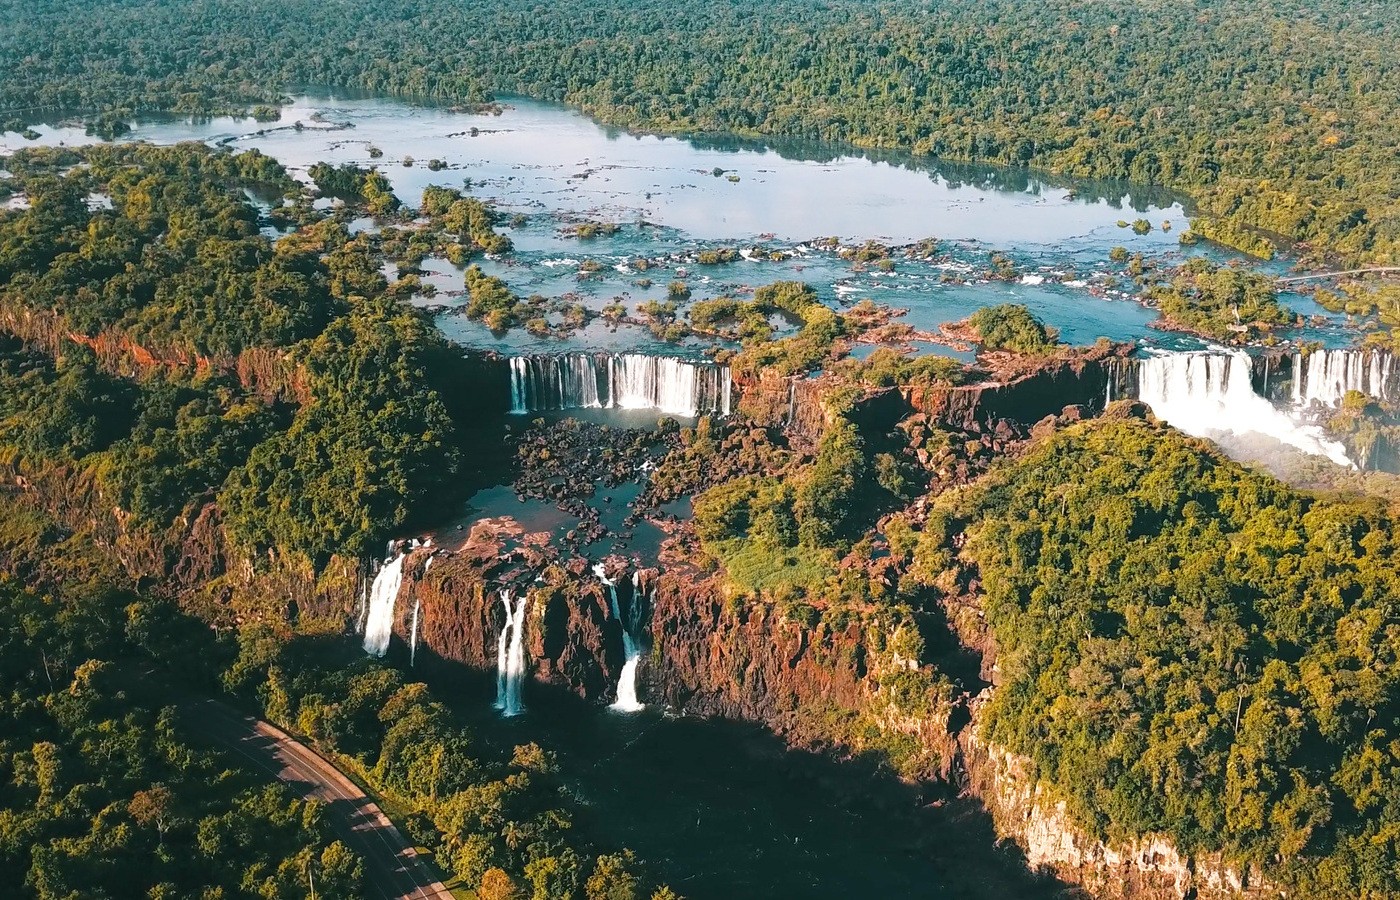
(573, 641)
(1013, 403)
(792, 403)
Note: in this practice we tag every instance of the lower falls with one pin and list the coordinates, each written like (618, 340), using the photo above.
(383, 595)
(510, 656)
(634, 634)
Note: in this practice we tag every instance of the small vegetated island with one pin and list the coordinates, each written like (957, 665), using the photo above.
(1133, 613)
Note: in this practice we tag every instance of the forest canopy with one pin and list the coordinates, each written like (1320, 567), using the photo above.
(176, 356)
(1189, 647)
(1274, 116)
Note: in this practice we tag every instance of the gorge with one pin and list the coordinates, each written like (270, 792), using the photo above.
(751, 661)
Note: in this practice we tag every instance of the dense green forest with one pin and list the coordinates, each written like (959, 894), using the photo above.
(282, 379)
(493, 823)
(1221, 302)
(165, 360)
(1274, 116)
(105, 794)
(189, 377)
(1188, 647)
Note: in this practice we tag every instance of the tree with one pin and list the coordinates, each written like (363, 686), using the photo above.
(496, 884)
(553, 877)
(153, 807)
(613, 878)
(1010, 326)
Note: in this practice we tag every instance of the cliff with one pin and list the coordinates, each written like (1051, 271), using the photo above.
(825, 683)
(572, 640)
(1010, 401)
(1147, 869)
(836, 680)
(270, 374)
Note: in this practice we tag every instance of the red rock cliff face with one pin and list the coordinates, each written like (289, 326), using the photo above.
(270, 374)
(710, 656)
(1007, 404)
(745, 661)
(816, 684)
(572, 640)
(1016, 403)
(707, 656)
(791, 402)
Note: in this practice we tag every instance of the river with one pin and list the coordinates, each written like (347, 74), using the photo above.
(554, 167)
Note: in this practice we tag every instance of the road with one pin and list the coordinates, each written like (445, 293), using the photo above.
(392, 867)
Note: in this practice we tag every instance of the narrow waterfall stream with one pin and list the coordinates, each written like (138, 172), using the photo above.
(632, 639)
(379, 620)
(413, 631)
(510, 656)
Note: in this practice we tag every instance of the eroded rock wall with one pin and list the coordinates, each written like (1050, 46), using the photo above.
(1015, 403)
(573, 641)
(1147, 869)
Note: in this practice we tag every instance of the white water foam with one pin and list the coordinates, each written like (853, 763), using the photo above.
(379, 622)
(510, 657)
(1209, 394)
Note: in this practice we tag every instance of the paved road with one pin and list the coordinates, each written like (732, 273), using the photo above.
(392, 867)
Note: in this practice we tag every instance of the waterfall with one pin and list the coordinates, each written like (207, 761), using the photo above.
(632, 639)
(413, 632)
(502, 642)
(362, 602)
(1210, 393)
(618, 381)
(1325, 376)
(379, 622)
(510, 657)
(633, 626)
